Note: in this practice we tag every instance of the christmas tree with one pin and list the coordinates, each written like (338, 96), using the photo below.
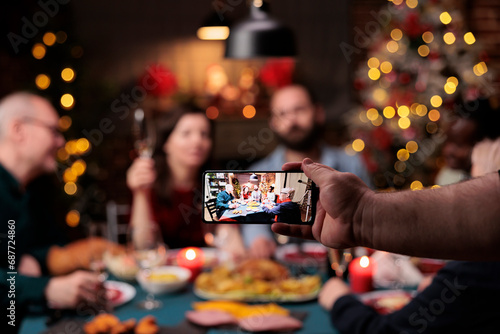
(422, 63)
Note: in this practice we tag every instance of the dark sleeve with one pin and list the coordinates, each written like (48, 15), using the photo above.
(274, 211)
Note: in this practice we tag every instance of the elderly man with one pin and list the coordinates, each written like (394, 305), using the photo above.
(287, 211)
(29, 140)
(297, 121)
(224, 199)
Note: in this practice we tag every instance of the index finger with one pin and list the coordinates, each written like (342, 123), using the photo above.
(299, 231)
(292, 166)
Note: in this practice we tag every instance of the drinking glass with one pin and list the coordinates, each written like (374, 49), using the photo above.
(144, 134)
(98, 235)
(149, 252)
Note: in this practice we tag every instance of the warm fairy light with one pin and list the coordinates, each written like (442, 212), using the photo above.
(445, 17)
(212, 112)
(392, 46)
(403, 154)
(362, 117)
(469, 38)
(412, 146)
(379, 95)
(62, 154)
(79, 167)
(404, 123)
(435, 186)
(431, 127)
(49, 38)
(378, 121)
(364, 262)
(61, 37)
(70, 175)
(372, 114)
(436, 101)
(249, 111)
(412, 3)
(71, 147)
(399, 166)
(449, 38)
(68, 74)
(373, 62)
(349, 150)
(215, 33)
(413, 107)
(434, 115)
(453, 80)
(423, 50)
(42, 81)
(397, 2)
(450, 88)
(38, 51)
(386, 67)
(82, 145)
(67, 101)
(480, 69)
(403, 111)
(374, 74)
(416, 185)
(421, 110)
(396, 34)
(70, 188)
(65, 122)
(73, 218)
(358, 145)
(427, 37)
(389, 112)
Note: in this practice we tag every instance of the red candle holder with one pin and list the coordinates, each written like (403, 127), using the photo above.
(191, 258)
(361, 274)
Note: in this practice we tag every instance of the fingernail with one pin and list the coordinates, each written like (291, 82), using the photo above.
(307, 161)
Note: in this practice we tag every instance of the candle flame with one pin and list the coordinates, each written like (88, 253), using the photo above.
(364, 262)
(190, 254)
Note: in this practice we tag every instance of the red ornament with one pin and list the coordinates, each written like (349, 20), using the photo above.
(277, 73)
(159, 81)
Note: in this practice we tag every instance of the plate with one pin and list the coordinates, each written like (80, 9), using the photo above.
(387, 301)
(242, 297)
(119, 293)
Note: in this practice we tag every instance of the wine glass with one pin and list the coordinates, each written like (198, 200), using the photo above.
(149, 251)
(97, 247)
(144, 133)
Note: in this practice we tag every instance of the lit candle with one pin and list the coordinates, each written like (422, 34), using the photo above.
(191, 258)
(361, 274)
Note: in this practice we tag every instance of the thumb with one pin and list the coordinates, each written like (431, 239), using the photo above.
(317, 172)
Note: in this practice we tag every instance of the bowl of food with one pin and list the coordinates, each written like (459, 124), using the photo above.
(165, 279)
(121, 265)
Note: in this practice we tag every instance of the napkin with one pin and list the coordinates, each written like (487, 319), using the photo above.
(395, 271)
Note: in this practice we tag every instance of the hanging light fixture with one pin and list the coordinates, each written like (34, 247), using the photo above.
(254, 177)
(214, 28)
(259, 35)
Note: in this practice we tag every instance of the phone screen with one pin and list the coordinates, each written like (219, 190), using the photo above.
(258, 197)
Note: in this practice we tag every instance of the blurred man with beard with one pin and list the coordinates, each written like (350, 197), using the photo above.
(298, 122)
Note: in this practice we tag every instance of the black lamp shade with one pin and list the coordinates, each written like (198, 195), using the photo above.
(259, 35)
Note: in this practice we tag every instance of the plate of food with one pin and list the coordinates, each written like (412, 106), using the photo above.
(256, 280)
(119, 293)
(387, 301)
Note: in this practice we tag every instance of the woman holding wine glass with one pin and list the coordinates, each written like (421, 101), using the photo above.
(166, 188)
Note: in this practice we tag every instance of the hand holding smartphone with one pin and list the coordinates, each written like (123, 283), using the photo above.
(258, 197)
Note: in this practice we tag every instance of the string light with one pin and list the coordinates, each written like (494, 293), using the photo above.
(69, 175)
(38, 51)
(73, 218)
(358, 145)
(403, 154)
(404, 123)
(378, 121)
(427, 37)
(423, 50)
(445, 18)
(372, 114)
(434, 115)
(469, 38)
(70, 188)
(396, 34)
(212, 112)
(380, 95)
(450, 88)
(421, 110)
(82, 145)
(412, 146)
(68, 74)
(431, 127)
(453, 80)
(416, 185)
(374, 74)
(386, 67)
(449, 38)
(249, 111)
(412, 3)
(480, 69)
(79, 167)
(49, 38)
(389, 112)
(403, 111)
(436, 101)
(373, 62)
(65, 122)
(400, 166)
(392, 46)
(67, 101)
(42, 81)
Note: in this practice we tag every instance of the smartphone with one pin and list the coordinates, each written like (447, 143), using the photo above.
(258, 197)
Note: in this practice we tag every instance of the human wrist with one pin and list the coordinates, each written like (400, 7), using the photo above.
(363, 221)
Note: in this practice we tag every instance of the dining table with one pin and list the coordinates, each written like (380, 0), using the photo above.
(248, 214)
(171, 316)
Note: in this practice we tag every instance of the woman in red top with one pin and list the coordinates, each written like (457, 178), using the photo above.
(167, 189)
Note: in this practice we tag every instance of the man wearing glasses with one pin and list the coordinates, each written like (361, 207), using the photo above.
(29, 140)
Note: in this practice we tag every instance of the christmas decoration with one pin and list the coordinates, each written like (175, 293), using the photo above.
(422, 62)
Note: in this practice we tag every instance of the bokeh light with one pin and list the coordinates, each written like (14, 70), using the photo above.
(68, 74)
(445, 18)
(434, 115)
(386, 67)
(412, 3)
(65, 122)
(436, 101)
(421, 110)
(73, 218)
(416, 185)
(449, 38)
(403, 111)
(400, 166)
(61, 37)
(70, 188)
(431, 127)
(480, 69)
(249, 111)
(423, 50)
(38, 51)
(403, 154)
(42, 81)
(212, 112)
(374, 74)
(389, 112)
(392, 46)
(67, 101)
(358, 145)
(396, 34)
(79, 167)
(82, 145)
(469, 38)
(70, 175)
(404, 123)
(427, 37)
(372, 114)
(49, 38)
(450, 87)
(373, 62)
(412, 146)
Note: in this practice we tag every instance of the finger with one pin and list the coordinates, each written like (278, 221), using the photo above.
(299, 231)
(292, 166)
(317, 172)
